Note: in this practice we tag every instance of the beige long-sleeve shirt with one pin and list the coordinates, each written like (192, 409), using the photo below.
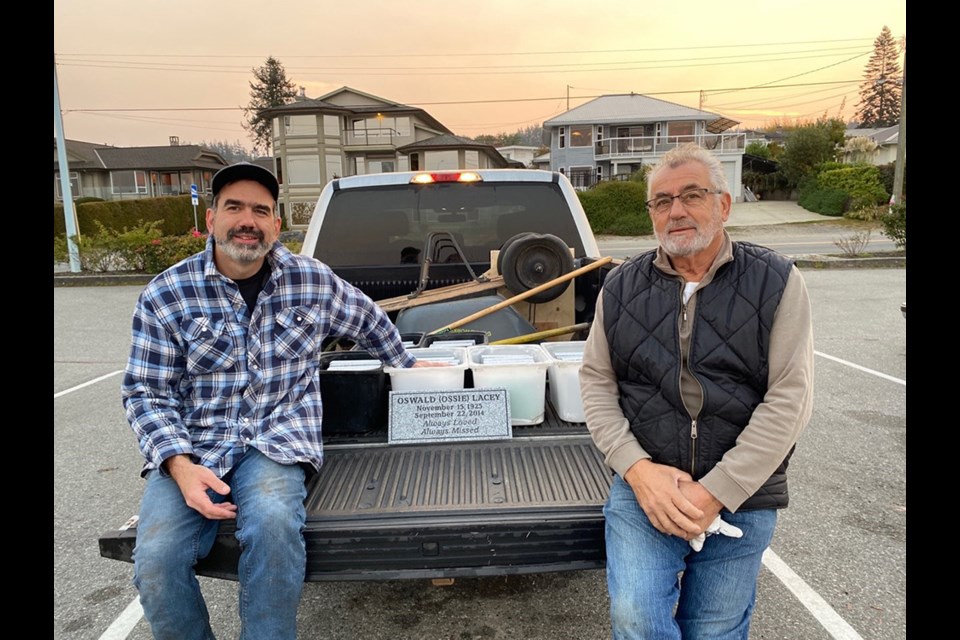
(776, 423)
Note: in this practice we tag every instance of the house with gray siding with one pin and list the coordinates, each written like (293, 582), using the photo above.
(613, 136)
(127, 173)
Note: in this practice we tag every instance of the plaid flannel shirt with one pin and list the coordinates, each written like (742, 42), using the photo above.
(208, 378)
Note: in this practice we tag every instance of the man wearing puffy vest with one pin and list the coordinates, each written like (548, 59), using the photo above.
(697, 380)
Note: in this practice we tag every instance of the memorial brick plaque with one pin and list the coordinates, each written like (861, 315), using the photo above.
(449, 416)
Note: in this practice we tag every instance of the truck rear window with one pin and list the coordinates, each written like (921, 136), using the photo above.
(392, 224)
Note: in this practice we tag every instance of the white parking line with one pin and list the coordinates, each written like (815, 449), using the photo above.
(856, 366)
(829, 619)
(86, 384)
(124, 624)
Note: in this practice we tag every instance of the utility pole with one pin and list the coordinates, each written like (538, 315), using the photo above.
(68, 212)
(568, 97)
(900, 167)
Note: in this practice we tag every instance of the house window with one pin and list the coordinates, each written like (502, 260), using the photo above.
(301, 212)
(435, 160)
(581, 136)
(381, 165)
(331, 126)
(303, 170)
(414, 162)
(170, 183)
(680, 131)
(279, 171)
(300, 125)
(471, 159)
(186, 181)
(599, 133)
(334, 167)
(128, 182)
(599, 174)
(563, 138)
(74, 185)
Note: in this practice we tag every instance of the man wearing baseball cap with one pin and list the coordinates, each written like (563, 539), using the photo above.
(222, 392)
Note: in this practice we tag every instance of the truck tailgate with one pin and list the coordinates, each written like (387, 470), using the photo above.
(377, 512)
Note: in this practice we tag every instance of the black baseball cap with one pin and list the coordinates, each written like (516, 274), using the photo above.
(246, 171)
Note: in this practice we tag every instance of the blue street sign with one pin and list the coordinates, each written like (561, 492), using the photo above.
(194, 198)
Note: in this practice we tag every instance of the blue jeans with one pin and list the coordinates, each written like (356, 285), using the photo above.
(661, 589)
(171, 537)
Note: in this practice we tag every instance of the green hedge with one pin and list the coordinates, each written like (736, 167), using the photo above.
(174, 214)
(617, 208)
(861, 182)
(813, 196)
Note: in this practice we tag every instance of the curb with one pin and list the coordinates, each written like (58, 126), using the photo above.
(836, 262)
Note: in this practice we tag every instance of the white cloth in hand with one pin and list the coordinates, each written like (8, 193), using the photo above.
(717, 526)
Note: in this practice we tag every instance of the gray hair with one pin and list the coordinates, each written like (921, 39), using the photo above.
(685, 153)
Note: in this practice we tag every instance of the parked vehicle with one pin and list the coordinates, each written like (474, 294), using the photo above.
(431, 248)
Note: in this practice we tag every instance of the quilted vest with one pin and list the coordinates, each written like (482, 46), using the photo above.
(730, 341)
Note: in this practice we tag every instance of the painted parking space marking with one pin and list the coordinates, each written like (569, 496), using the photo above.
(125, 622)
(860, 368)
(828, 618)
(86, 384)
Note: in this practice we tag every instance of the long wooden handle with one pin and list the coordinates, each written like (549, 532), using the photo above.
(523, 296)
(546, 333)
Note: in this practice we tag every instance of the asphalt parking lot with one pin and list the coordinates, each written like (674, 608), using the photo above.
(836, 568)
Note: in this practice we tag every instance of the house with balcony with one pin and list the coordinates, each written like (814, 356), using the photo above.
(126, 173)
(612, 136)
(348, 132)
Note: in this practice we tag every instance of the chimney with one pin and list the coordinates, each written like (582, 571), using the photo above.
(174, 141)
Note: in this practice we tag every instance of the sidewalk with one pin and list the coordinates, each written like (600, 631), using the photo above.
(766, 212)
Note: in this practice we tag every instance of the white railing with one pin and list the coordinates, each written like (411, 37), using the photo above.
(646, 146)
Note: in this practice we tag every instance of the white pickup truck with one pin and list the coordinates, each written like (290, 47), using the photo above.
(427, 246)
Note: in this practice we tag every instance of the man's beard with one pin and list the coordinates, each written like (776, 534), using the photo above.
(704, 234)
(240, 252)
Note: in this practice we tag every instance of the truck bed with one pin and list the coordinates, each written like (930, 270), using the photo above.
(526, 505)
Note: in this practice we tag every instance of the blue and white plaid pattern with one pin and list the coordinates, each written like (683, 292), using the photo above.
(208, 378)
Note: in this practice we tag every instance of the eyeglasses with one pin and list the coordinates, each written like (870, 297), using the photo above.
(690, 199)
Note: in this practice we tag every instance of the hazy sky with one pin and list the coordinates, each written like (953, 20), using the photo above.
(132, 73)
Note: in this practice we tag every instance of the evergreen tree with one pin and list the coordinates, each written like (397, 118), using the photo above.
(879, 104)
(271, 88)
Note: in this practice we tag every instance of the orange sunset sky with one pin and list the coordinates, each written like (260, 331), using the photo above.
(131, 74)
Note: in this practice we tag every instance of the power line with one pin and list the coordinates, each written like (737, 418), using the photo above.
(442, 71)
(490, 101)
(435, 54)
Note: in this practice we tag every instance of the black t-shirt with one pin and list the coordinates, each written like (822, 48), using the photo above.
(250, 287)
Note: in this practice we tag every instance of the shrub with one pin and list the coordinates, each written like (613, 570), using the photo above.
(142, 248)
(617, 208)
(859, 181)
(895, 224)
(820, 199)
(759, 149)
(887, 173)
(175, 214)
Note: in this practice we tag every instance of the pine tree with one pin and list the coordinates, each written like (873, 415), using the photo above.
(879, 104)
(271, 88)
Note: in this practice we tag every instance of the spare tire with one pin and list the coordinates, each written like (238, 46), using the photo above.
(507, 243)
(532, 259)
